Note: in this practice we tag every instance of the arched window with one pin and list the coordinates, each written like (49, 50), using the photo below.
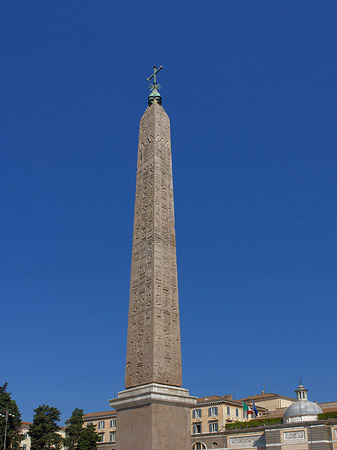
(199, 446)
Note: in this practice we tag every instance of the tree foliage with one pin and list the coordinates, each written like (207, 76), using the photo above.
(44, 429)
(327, 416)
(88, 438)
(79, 437)
(14, 435)
(253, 423)
(74, 429)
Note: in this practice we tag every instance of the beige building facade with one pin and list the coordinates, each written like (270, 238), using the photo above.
(210, 415)
(26, 443)
(270, 401)
(317, 435)
(287, 424)
(105, 424)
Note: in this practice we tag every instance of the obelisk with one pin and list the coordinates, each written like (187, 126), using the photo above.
(153, 413)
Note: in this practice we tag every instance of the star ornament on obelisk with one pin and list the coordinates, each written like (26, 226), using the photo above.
(153, 413)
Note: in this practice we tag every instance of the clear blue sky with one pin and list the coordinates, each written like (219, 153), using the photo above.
(250, 87)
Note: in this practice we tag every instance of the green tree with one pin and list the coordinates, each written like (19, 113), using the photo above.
(14, 435)
(88, 438)
(74, 429)
(43, 431)
(79, 437)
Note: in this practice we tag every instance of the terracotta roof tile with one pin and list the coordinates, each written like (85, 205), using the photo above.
(98, 414)
(267, 395)
(209, 398)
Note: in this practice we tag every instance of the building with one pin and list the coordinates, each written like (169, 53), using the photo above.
(302, 410)
(270, 401)
(211, 418)
(26, 443)
(295, 427)
(316, 435)
(211, 414)
(105, 423)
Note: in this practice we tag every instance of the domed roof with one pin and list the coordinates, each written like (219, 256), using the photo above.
(302, 408)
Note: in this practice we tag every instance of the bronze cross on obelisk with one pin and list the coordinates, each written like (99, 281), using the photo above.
(155, 71)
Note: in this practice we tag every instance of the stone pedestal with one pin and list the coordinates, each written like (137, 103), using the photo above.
(153, 417)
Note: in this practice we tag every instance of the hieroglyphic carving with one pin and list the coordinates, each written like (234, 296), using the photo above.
(153, 348)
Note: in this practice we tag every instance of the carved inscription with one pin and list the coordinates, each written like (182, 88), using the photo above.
(153, 346)
(293, 435)
(248, 441)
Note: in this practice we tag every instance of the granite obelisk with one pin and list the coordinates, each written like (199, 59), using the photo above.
(153, 413)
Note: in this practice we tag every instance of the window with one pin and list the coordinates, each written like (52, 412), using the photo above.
(199, 446)
(237, 412)
(196, 428)
(89, 423)
(101, 425)
(101, 437)
(113, 423)
(196, 413)
(213, 411)
(228, 410)
(213, 427)
(112, 436)
(24, 447)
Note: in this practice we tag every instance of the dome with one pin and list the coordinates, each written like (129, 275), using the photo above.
(302, 408)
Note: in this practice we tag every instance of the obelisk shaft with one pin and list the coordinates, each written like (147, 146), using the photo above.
(153, 342)
(153, 412)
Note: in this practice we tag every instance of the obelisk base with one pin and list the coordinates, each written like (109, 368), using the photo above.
(153, 417)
